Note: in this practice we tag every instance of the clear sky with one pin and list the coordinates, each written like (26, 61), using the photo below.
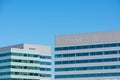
(38, 21)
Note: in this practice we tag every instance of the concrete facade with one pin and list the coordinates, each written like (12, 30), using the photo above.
(90, 56)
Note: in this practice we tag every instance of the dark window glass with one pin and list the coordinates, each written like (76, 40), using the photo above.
(58, 49)
(65, 48)
(65, 55)
(92, 46)
(99, 46)
(107, 52)
(114, 45)
(71, 48)
(106, 45)
(88, 46)
(78, 47)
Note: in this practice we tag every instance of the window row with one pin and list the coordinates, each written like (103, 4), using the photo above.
(24, 74)
(88, 54)
(31, 61)
(88, 46)
(25, 55)
(17, 79)
(4, 61)
(88, 75)
(4, 73)
(32, 68)
(4, 54)
(25, 67)
(88, 68)
(5, 67)
(25, 61)
(87, 61)
(30, 74)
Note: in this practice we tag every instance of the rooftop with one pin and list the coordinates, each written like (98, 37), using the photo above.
(88, 38)
(30, 47)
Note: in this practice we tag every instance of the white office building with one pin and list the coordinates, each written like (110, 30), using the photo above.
(90, 56)
(25, 62)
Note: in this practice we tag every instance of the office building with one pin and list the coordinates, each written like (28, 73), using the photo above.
(90, 56)
(25, 62)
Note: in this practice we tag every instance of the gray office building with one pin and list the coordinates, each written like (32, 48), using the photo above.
(90, 56)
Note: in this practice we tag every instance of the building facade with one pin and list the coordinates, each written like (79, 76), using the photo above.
(25, 62)
(90, 56)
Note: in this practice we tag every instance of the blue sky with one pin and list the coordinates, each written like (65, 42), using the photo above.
(39, 21)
